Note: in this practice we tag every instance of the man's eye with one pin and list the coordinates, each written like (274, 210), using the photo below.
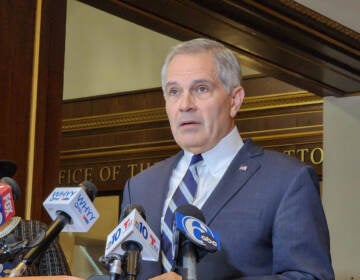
(203, 89)
(173, 92)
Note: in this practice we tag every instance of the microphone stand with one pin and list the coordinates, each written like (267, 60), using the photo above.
(124, 267)
(131, 257)
(113, 263)
(115, 270)
(189, 261)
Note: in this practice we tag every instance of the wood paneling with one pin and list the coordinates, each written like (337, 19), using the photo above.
(16, 56)
(24, 48)
(49, 111)
(108, 139)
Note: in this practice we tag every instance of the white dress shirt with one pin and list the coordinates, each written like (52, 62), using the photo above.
(210, 170)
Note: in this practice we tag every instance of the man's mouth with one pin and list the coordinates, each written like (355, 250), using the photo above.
(186, 123)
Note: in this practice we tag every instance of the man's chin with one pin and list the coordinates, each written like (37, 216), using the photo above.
(192, 147)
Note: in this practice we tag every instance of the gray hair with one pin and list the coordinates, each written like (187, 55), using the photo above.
(227, 66)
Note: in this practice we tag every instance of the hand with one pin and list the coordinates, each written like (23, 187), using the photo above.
(167, 276)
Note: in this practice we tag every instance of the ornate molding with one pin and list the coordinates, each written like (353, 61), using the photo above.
(287, 136)
(112, 151)
(114, 120)
(168, 146)
(280, 100)
(155, 115)
(320, 18)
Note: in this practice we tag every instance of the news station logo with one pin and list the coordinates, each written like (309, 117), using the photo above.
(82, 205)
(199, 233)
(133, 228)
(116, 234)
(7, 208)
(62, 195)
(146, 234)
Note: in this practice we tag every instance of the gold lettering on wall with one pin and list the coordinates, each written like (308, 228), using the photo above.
(118, 174)
(317, 156)
(314, 156)
(112, 174)
(109, 173)
(136, 167)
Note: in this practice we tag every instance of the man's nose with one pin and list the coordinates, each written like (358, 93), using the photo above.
(187, 101)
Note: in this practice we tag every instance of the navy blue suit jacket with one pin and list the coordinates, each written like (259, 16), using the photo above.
(266, 210)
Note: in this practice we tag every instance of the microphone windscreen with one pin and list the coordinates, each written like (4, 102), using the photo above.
(7, 168)
(127, 210)
(89, 188)
(189, 225)
(16, 192)
(190, 210)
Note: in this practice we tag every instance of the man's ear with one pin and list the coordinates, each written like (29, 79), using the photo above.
(237, 95)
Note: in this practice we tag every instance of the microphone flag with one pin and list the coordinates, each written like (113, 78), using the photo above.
(196, 231)
(7, 207)
(76, 203)
(133, 227)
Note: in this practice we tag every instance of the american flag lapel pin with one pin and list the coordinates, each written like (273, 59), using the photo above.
(243, 167)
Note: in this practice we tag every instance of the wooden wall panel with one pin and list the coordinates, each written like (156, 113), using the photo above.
(31, 75)
(16, 56)
(108, 139)
(49, 99)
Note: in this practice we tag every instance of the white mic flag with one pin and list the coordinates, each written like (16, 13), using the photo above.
(76, 203)
(134, 228)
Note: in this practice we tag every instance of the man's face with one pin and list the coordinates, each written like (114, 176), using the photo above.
(199, 109)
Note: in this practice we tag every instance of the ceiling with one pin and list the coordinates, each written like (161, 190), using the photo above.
(345, 12)
(282, 39)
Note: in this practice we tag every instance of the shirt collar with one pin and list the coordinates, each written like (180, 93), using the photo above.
(222, 154)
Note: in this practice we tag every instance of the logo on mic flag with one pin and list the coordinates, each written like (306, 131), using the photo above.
(75, 202)
(198, 232)
(133, 227)
(7, 208)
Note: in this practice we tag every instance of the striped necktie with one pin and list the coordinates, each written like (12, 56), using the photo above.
(184, 194)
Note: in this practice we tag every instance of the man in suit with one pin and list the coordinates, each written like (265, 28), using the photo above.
(264, 205)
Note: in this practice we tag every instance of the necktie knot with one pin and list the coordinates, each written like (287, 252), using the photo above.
(195, 159)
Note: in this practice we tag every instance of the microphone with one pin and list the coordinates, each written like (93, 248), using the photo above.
(132, 248)
(113, 263)
(72, 210)
(192, 239)
(132, 236)
(76, 204)
(9, 191)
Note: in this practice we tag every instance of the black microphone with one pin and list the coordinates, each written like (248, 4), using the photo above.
(65, 215)
(132, 248)
(192, 239)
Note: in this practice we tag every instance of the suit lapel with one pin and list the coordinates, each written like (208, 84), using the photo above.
(241, 169)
